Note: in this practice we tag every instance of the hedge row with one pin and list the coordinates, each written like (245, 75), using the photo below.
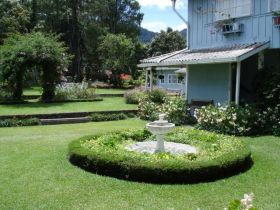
(15, 122)
(99, 117)
(110, 162)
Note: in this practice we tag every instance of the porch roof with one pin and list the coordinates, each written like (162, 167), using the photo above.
(226, 54)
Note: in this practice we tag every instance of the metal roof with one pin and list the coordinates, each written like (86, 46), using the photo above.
(225, 54)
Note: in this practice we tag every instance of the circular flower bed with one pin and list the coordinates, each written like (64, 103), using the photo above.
(217, 156)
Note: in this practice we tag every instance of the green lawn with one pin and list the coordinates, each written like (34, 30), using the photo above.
(110, 91)
(35, 174)
(110, 103)
(32, 91)
(38, 91)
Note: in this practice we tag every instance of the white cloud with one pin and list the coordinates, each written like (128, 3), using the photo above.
(179, 27)
(161, 4)
(155, 26)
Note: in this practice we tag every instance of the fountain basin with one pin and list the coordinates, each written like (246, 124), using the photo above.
(170, 147)
(160, 129)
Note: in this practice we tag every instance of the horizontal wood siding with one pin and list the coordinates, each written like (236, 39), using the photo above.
(257, 28)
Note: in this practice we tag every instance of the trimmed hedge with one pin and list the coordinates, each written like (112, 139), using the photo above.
(14, 122)
(106, 155)
(99, 117)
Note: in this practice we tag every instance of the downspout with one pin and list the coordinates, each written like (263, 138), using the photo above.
(185, 21)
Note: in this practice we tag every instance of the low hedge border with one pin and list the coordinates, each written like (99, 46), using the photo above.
(56, 101)
(108, 163)
(19, 122)
(67, 114)
(100, 117)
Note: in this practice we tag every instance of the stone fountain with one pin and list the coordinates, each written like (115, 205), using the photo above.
(160, 128)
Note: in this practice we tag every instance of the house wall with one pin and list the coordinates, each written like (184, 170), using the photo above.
(167, 85)
(257, 28)
(209, 82)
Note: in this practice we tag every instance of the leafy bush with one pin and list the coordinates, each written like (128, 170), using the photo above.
(19, 122)
(176, 110)
(133, 96)
(22, 53)
(218, 156)
(157, 95)
(72, 91)
(229, 119)
(276, 129)
(96, 117)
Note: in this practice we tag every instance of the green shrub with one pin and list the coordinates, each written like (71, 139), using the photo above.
(157, 95)
(98, 117)
(218, 156)
(74, 91)
(176, 109)
(19, 122)
(133, 96)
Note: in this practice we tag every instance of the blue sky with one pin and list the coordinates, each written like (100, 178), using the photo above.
(158, 14)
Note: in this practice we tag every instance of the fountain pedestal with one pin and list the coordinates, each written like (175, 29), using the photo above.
(160, 144)
(160, 128)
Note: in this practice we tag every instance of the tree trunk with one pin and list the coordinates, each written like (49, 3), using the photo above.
(76, 41)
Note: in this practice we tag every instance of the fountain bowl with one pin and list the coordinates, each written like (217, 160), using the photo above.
(158, 129)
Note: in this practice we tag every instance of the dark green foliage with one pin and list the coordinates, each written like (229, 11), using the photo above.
(166, 42)
(19, 122)
(14, 17)
(109, 117)
(22, 53)
(106, 155)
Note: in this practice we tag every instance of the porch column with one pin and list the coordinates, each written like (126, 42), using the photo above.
(187, 83)
(237, 90)
(146, 79)
(151, 79)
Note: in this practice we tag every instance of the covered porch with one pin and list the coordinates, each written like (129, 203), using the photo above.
(212, 74)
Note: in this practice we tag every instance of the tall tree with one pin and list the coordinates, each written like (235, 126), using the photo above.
(166, 42)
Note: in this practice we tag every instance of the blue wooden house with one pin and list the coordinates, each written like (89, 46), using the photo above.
(229, 42)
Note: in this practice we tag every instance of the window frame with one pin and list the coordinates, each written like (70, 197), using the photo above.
(160, 80)
(171, 79)
(270, 4)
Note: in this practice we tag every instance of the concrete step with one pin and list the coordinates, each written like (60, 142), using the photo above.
(65, 120)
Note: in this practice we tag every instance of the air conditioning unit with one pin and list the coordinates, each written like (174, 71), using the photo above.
(232, 28)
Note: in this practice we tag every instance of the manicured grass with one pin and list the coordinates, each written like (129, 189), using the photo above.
(110, 103)
(110, 91)
(35, 174)
(32, 91)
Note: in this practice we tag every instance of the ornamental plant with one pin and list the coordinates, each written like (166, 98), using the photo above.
(230, 119)
(176, 109)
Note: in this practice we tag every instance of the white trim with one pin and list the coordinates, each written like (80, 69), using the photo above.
(146, 80)
(237, 88)
(187, 83)
(229, 82)
(151, 80)
(253, 52)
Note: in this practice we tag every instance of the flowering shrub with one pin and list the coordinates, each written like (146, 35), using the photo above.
(176, 110)
(133, 96)
(244, 204)
(72, 91)
(158, 95)
(229, 119)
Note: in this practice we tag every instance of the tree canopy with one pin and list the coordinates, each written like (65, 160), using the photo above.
(166, 42)
(21, 53)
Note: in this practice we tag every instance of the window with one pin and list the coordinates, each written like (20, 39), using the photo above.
(274, 5)
(226, 9)
(172, 79)
(161, 79)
